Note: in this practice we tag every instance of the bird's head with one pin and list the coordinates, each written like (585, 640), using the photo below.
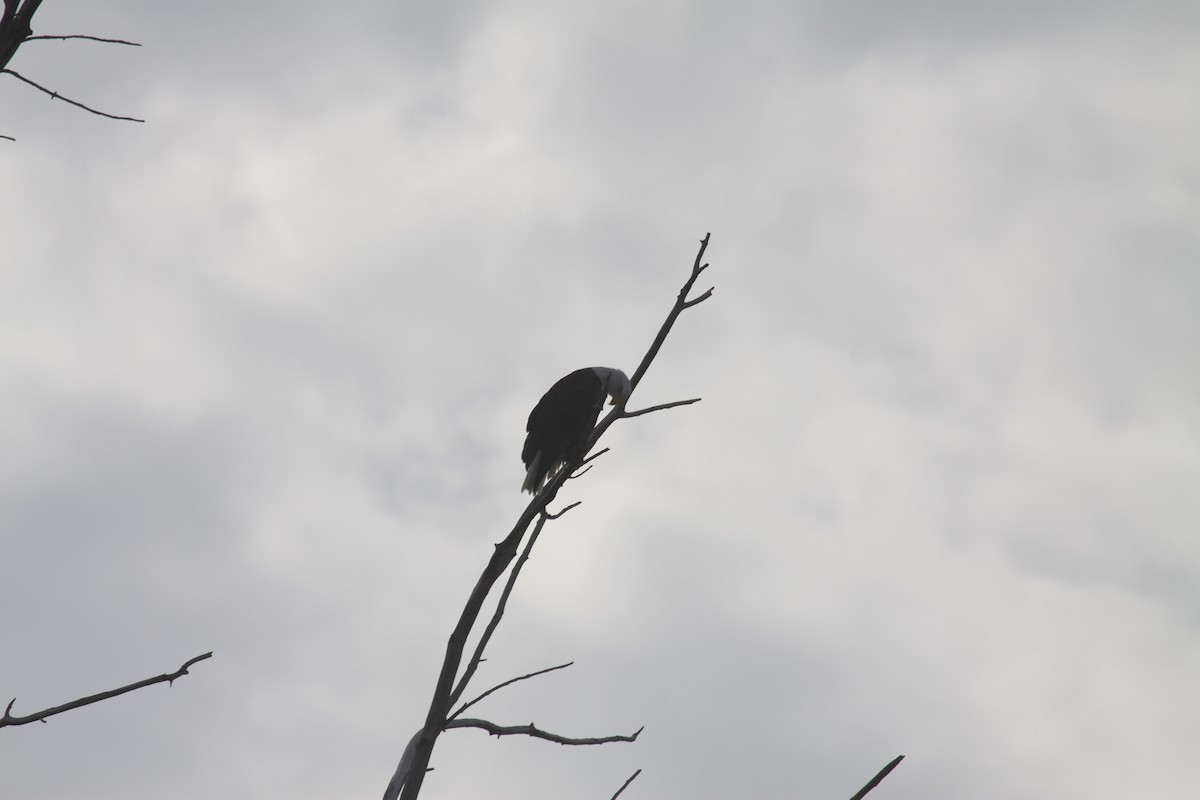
(616, 384)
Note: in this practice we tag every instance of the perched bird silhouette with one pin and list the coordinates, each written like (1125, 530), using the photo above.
(561, 421)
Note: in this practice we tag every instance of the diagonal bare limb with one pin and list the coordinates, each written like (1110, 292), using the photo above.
(41, 716)
(16, 25)
(410, 773)
(564, 511)
(494, 622)
(56, 96)
(883, 773)
(682, 303)
(84, 36)
(508, 682)
(538, 733)
(626, 784)
(641, 411)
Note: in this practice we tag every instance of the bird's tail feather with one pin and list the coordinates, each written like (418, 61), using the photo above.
(532, 477)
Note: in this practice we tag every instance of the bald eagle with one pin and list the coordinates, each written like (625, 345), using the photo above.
(561, 421)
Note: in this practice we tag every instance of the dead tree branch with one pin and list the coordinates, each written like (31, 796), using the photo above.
(624, 785)
(538, 733)
(56, 96)
(883, 773)
(41, 716)
(682, 303)
(16, 28)
(410, 773)
(508, 682)
(565, 509)
(641, 411)
(592, 457)
(83, 36)
(498, 614)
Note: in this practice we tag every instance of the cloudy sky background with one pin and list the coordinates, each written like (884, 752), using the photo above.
(266, 361)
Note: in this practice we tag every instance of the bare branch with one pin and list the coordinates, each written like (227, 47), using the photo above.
(494, 622)
(701, 298)
(55, 95)
(883, 773)
(11, 139)
(508, 682)
(682, 303)
(579, 473)
(565, 510)
(84, 36)
(15, 27)
(410, 775)
(41, 716)
(398, 777)
(641, 411)
(625, 784)
(538, 733)
(592, 457)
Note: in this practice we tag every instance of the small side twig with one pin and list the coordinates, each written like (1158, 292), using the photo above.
(41, 716)
(682, 303)
(592, 457)
(537, 733)
(660, 407)
(883, 773)
(501, 604)
(626, 784)
(508, 682)
(56, 96)
(565, 510)
(85, 36)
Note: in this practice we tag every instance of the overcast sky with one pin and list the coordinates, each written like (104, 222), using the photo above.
(266, 361)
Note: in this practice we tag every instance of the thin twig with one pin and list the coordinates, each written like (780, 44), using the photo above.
(538, 733)
(11, 139)
(682, 303)
(41, 716)
(494, 622)
(579, 473)
(883, 773)
(592, 457)
(56, 96)
(641, 411)
(565, 510)
(625, 784)
(508, 682)
(85, 36)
